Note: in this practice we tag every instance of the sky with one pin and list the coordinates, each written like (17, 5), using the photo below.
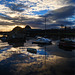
(33, 12)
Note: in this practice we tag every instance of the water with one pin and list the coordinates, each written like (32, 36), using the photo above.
(16, 60)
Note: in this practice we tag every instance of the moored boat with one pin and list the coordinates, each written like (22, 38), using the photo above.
(41, 40)
(67, 43)
(32, 50)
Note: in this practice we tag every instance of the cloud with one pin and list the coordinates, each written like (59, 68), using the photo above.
(6, 23)
(35, 5)
(39, 5)
(26, 12)
(17, 7)
(53, 18)
(61, 13)
(56, 17)
(64, 12)
(60, 16)
(4, 16)
(64, 22)
(71, 2)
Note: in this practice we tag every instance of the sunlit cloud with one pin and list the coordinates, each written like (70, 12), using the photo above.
(4, 9)
(32, 12)
(3, 20)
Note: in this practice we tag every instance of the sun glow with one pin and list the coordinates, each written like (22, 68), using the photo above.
(12, 15)
(9, 28)
(54, 21)
(22, 26)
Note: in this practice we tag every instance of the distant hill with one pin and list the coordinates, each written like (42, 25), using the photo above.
(17, 28)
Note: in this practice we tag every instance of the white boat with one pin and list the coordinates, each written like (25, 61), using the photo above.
(41, 40)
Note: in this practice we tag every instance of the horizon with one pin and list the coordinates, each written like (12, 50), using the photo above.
(37, 28)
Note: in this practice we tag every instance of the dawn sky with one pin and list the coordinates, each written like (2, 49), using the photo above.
(33, 13)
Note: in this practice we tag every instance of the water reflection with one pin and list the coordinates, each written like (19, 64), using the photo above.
(43, 45)
(66, 48)
(41, 49)
(50, 59)
(17, 44)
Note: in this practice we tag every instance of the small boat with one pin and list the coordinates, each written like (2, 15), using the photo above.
(32, 50)
(41, 40)
(68, 43)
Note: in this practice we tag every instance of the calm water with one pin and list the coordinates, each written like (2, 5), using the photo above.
(50, 59)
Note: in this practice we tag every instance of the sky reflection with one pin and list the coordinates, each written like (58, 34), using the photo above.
(22, 62)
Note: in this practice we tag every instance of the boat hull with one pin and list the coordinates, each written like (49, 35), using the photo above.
(32, 50)
(35, 42)
(66, 45)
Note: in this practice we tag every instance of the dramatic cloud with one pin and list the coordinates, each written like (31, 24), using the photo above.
(33, 12)
(57, 17)
(35, 7)
(17, 7)
(61, 13)
(4, 16)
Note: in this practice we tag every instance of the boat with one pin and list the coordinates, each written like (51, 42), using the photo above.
(67, 43)
(41, 40)
(32, 50)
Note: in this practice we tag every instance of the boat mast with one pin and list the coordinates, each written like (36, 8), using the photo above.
(45, 36)
(45, 26)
